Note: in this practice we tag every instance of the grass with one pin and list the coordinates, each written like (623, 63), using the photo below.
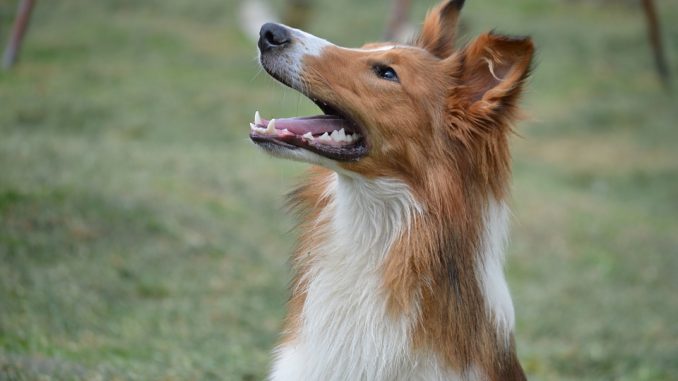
(143, 238)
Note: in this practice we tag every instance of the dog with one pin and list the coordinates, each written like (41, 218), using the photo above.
(399, 264)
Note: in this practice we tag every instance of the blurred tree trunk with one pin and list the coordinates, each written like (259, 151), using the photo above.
(654, 34)
(297, 13)
(398, 20)
(23, 17)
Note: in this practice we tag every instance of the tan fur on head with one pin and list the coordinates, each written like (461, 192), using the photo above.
(465, 100)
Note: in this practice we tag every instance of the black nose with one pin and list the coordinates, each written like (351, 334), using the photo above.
(273, 36)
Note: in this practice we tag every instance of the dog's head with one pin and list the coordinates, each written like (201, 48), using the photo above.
(393, 109)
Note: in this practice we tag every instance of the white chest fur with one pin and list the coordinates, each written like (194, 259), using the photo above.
(346, 332)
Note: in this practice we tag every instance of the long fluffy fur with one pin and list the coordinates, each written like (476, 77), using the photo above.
(399, 266)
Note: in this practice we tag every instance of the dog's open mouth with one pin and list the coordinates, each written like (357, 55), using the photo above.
(329, 135)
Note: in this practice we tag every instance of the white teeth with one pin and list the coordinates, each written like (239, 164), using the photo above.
(257, 129)
(335, 136)
(342, 135)
(270, 130)
(325, 137)
(352, 138)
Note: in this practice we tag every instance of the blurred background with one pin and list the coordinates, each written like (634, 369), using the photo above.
(143, 237)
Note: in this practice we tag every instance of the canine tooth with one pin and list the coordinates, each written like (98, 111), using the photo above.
(257, 118)
(325, 137)
(257, 129)
(271, 127)
(307, 136)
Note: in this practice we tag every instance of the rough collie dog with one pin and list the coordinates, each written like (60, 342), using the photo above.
(404, 218)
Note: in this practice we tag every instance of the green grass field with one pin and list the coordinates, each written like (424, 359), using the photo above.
(142, 237)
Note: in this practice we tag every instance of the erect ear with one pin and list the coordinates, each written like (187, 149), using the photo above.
(440, 27)
(492, 72)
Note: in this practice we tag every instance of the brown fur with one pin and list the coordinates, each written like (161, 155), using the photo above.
(307, 201)
(444, 131)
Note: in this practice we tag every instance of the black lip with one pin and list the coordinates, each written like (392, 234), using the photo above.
(350, 153)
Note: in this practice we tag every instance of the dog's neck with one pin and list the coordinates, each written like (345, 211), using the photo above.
(363, 291)
(371, 213)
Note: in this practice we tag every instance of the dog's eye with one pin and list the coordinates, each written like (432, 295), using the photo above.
(387, 73)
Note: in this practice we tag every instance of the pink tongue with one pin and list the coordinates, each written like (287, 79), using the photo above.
(316, 125)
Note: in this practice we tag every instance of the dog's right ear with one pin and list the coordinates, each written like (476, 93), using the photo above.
(491, 72)
(440, 28)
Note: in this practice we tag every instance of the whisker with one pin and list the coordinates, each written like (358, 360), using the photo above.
(257, 74)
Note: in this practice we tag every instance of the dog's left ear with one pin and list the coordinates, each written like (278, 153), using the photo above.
(491, 72)
(440, 28)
